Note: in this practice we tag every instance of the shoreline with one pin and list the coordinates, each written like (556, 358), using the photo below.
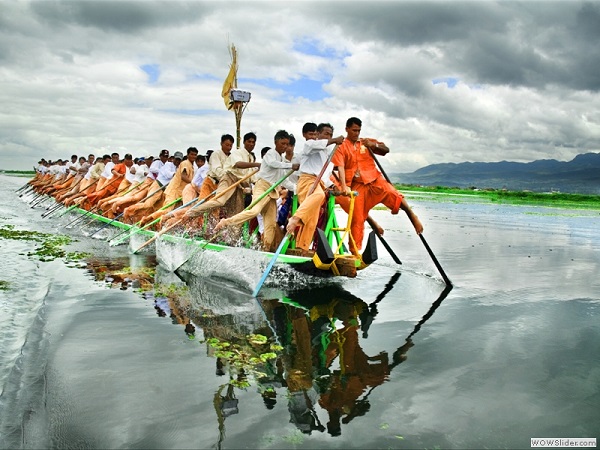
(498, 196)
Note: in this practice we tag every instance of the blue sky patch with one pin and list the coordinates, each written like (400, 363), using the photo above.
(153, 72)
(450, 81)
(303, 87)
(311, 47)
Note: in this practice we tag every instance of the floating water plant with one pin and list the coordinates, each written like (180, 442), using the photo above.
(50, 245)
(248, 357)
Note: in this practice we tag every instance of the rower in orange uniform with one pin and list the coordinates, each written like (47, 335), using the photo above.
(358, 172)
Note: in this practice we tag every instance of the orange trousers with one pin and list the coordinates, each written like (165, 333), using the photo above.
(308, 212)
(109, 189)
(369, 195)
(134, 213)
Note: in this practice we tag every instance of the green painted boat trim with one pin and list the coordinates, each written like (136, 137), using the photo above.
(286, 259)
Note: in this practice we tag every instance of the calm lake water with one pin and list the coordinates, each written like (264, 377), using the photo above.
(379, 361)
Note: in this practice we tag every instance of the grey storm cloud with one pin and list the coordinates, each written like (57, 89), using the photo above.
(501, 43)
(122, 16)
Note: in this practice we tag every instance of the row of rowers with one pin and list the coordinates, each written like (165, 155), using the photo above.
(223, 178)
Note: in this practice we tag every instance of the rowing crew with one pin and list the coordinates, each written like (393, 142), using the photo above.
(215, 190)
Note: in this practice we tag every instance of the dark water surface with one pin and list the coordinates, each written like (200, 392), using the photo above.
(374, 362)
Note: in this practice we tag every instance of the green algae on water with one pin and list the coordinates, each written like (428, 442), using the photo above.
(50, 245)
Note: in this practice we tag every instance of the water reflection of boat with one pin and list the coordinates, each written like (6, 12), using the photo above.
(322, 372)
(325, 365)
(321, 369)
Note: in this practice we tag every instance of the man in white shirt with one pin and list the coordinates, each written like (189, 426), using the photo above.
(272, 168)
(313, 156)
(158, 163)
(237, 166)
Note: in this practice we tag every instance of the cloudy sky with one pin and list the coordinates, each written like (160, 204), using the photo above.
(438, 81)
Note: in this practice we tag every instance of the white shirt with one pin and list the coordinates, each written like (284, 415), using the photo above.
(53, 169)
(88, 174)
(157, 164)
(217, 164)
(313, 155)
(84, 168)
(141, 173)
(166, 173)
(238, 155)
(73, 167)
(107, 173)
(273, 167)
(200, 175)
(291, 181)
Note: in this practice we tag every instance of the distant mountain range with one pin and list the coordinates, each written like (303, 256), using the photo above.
(580, 175)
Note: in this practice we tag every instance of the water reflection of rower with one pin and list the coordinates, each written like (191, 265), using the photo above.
(318, 327)
(326, 375)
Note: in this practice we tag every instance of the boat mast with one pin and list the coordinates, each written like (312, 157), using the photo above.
(235, 100)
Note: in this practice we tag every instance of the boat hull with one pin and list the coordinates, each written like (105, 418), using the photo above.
(341, 265)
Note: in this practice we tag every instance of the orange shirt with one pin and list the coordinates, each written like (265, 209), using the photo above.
(120, 168)
(356, 161)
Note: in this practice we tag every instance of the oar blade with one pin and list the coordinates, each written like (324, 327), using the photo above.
(270, 266)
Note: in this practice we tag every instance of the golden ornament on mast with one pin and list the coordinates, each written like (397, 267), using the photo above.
(235, 100)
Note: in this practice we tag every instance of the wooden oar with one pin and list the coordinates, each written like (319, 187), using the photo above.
(119, 216)
(26, 191)
(139, 221)
(52, 209)
(435, 261)
(383, 241)
(148, 225)
(35, 198)
(128, 189)
(83, 190)
(57, 205)
(26, 185)
(40, 201)
(97, 207)
(164, 230)
(288, 235)
(270, 265)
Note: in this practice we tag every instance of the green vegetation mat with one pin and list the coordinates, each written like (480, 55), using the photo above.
(553, 199)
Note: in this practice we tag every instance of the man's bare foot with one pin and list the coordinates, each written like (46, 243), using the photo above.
(293, 223)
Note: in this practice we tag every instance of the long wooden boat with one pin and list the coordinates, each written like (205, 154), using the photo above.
(325, 262)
